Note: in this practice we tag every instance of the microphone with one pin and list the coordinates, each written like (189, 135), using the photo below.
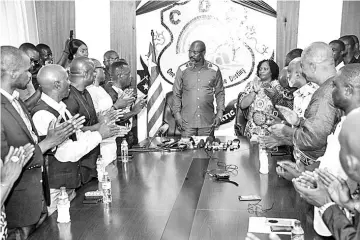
(209, 141)
(217, 140)
(201, 143)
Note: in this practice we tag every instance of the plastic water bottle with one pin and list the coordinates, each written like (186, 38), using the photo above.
(100, 171)
(63, 207)
(297, 233)
(106, 187)
(264, 161)
(124, 151)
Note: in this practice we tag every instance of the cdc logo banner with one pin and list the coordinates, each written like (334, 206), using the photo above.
(236, 39)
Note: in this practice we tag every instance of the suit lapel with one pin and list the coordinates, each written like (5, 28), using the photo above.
(9, 107)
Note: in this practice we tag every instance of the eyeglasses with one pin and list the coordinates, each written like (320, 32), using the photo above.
(195, 52)
(112, 59)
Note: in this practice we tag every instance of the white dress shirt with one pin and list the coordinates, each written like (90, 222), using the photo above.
(302, 97)
(13, 99)
(339, 66)
(331, 161)
(69, 150)
(103, 102)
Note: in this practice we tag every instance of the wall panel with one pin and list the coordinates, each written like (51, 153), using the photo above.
(286, 29)
(350, 22)
(123, 32)
(55, 19)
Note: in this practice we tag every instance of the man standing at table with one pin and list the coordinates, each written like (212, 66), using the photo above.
(195, 84)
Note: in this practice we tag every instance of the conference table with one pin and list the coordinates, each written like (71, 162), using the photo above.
(169, 195)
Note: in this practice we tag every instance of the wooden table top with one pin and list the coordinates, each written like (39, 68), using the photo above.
(167, 195)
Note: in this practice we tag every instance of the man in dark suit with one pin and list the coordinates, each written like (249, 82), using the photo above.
(26, 205)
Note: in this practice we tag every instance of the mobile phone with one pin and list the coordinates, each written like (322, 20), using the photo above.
(280, 228)
(71, 34)
(250, 198)
(279, 222)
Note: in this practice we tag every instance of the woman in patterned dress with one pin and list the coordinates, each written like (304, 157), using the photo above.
(258, 99)
(11, 169)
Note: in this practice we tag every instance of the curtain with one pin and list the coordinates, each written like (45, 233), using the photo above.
(18, 23)
(258, 5)
(152, 6)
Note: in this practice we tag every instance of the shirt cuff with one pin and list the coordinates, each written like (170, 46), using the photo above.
(323, 208)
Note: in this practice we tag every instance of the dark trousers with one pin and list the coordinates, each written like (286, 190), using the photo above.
(188, 132)
(21, 233)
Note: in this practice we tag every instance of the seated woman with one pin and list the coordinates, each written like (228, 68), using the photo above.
(257, 98)
(73, 49)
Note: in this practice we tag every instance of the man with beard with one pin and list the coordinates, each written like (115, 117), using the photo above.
(196, 83)
(63, 162)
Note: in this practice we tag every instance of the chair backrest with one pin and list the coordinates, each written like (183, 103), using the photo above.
(168, 116)
(241, 118)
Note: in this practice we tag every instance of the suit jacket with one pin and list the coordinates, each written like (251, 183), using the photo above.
(339, 225)
(24, 203)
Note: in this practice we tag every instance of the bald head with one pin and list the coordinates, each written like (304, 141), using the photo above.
(49, 75)
(349, 139)
(199, 44)
(317, 52)
(80, 65)
(82, 72)
(96, 62)
(318, 63)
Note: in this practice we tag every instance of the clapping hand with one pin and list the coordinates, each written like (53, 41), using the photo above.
(288, 170)
(14, 162)
(59, 132)
(139, 105)
(277, 129)
(109, 117)
(290, 116)
(308, 178)
(269, 141)
(316, 196)
(256, 84)
(337, 188)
